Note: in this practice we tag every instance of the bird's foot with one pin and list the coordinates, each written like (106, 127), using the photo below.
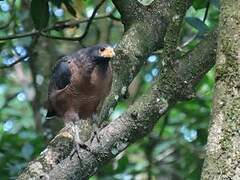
(94, 134)
(96, 129)
(78, 145)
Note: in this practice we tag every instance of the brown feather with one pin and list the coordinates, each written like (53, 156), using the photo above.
(89, 85)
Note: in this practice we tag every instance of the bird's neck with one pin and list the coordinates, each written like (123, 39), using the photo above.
(102, 67)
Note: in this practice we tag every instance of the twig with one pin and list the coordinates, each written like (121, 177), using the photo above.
(89, 22)
(11, 17)
(8, 99)
(63, 25)
(206, 12)
(17, 36)
(36, 102)
(71, 23)
(20, 59)
(165, 154)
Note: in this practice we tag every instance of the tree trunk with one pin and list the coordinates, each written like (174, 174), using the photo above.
(223, 151)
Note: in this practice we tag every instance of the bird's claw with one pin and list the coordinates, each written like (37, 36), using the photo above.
(95, 134)
(77, 147)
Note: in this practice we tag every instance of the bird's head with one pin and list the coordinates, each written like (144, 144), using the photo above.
(102, 52)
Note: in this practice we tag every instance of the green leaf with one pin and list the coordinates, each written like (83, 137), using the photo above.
(199, 4)
(69, 7)
(39, 13)
(197, 23)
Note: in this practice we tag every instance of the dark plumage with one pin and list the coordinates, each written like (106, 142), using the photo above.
(80, 82)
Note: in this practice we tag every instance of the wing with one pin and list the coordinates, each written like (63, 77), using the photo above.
(61, 74)
(61, 77)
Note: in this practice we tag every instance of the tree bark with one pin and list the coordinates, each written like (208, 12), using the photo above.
(223, 150)
(174, 84)
(145, 30)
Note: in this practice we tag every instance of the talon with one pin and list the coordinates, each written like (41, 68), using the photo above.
(96, 129)
(95, 134)
(76, 149)
(78, 143)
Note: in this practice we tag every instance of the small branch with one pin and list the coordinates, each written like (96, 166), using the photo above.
(18, 36)
(63, 25)
(71, 23)
(35, 101)
(89, 22)
(206, 12)
(20, 59)
(164, 155)
(133, 53)
(8, 99)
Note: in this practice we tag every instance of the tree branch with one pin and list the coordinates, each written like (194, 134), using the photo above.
(18, 36)
(173, 85)
(222, 160)
(149, 30)
(62, 25)
(130, 10)
(20, 59)
(89, 22)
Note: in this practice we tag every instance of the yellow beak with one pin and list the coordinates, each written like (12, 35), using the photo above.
(107, 52)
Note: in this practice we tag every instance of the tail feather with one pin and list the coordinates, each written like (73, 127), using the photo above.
(50, 114)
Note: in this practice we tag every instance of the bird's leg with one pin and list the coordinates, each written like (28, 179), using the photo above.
(78, 143)
(96, 129)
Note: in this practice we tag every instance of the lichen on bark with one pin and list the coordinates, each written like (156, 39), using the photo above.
(223, 150)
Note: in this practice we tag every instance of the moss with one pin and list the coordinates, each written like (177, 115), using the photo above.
(222, 163)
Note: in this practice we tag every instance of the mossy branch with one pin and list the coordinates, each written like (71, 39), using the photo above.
(173, 85)
(142, 36)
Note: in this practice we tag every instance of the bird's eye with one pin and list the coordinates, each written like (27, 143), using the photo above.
(102, 49)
